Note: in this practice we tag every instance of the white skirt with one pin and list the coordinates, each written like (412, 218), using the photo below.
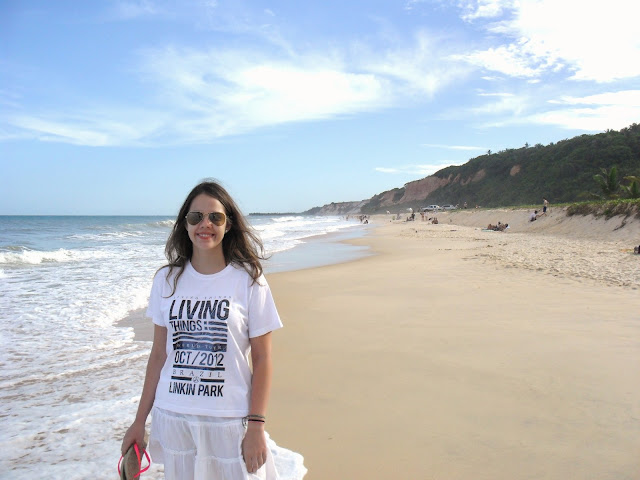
(199, 447)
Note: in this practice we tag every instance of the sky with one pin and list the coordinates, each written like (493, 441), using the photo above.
(120, 107)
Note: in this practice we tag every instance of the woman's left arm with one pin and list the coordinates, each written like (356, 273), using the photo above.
(254, 445)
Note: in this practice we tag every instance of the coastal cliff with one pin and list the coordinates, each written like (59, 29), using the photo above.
(340, 208)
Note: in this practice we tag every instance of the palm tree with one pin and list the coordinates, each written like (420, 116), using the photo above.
(608, 182)
(633, 189)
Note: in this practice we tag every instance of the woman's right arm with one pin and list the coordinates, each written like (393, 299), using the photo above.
(156, 361)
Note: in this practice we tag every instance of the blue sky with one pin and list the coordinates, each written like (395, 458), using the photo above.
(120, 107)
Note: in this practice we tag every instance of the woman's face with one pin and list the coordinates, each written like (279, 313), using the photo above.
(206, 236)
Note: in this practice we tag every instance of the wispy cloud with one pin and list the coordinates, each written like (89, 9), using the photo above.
(505, 105)
(219, 93)
(453, 147)
(423, 68)
(411, 4)
(130, 9)
(630, 98)
(511, 60)
(496, 94)
(415, 170)
(90, 128)
(481, 9)
(610, 110)
(613, 110)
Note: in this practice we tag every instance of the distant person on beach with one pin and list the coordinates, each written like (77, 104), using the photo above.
(533, 216)
(213, 314)
(500, 227)
(545, 205)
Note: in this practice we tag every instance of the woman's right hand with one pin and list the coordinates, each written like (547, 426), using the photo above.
(135, 434)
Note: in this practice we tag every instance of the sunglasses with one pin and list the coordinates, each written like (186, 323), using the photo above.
(217, 218)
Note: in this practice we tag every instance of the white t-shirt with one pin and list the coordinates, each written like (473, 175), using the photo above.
(209, 321)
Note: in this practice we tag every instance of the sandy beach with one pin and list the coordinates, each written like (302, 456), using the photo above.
(455, 353)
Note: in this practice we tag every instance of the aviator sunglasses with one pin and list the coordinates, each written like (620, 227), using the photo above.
(217, 218)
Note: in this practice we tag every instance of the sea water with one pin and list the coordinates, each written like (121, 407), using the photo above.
(70, 378)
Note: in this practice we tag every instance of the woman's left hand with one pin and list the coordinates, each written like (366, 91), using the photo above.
(254, 447)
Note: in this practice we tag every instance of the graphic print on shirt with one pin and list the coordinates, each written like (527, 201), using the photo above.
(200, 335)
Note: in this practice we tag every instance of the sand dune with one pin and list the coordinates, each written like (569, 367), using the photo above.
(555, 222)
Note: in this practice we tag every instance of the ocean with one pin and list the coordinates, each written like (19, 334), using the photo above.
(70, 377)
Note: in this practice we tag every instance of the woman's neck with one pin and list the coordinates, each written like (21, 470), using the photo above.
(208, 264)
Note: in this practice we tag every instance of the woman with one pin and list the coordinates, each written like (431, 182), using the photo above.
(213, 315)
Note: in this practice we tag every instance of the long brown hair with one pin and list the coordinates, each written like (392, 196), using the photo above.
(240, 245)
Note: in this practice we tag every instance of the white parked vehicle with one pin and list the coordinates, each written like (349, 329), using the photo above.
(448, 207)
(431, 208)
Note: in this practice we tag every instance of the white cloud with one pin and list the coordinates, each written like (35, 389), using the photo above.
(599, 39)
(596, 41)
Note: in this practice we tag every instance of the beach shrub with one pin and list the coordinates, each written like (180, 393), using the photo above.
(607, 209)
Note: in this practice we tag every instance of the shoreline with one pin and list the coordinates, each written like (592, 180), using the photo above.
(320, 250)
(315, 251)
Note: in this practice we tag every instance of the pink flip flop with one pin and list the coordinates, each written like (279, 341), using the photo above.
(132, 464)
